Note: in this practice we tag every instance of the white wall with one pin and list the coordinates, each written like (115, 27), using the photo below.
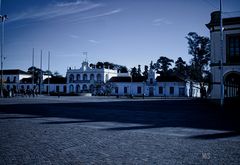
(133, 88)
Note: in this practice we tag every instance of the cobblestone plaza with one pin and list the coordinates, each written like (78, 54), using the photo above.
(92, 130)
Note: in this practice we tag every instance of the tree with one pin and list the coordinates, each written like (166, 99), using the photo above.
(56, 74)
(145, 72)
(134, 72)
(139, 72)
(162, 65)
(152, 65)
(93, 66)
(99, 65)
(199, 48)
(37, 73)
(180, 67)
(123, 69)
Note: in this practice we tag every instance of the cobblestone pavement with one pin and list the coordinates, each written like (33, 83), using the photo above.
(117, 132)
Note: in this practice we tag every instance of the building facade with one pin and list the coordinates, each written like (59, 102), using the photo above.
(12, 78)
(98, 81)
(87, 79)
(170, 86)
(231, 55)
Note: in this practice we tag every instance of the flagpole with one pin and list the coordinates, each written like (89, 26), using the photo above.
(33, 70)
(221, 53)
(41, 76)
(3, 19)
(48, 71)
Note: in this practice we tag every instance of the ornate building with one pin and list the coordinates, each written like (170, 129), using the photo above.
(87, 79)
(231, 55)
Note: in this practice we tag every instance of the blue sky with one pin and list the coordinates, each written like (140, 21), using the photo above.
(126, 32)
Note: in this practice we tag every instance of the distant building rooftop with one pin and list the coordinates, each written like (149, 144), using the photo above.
(14, 72)
(56, 80)
(127, 79)
(172, 78)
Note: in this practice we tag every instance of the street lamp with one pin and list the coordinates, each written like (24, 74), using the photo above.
(3, 19)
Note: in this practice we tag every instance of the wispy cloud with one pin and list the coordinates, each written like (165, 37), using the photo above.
(104, 14)
(94, 41)
(161, 21)
(67, 4)
(74, 36)
(56, 10)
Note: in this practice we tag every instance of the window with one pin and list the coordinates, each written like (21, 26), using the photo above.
(116, 90)
(139, 90)
(57, 88)
(233, 48)
(78, 89)
(171, 90)
(99, 77)
(85, 77)
(8, 79)
(78, 76)
(91, 88)
(125, 90)
(160, 90)
(92, 77)
(182, 91)
(64, 88)
(14, 79)
(71, 88)
(84, 87)
(106, 77)
(151, 81)
(71, 78)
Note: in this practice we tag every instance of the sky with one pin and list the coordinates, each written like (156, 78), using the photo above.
(125, 32)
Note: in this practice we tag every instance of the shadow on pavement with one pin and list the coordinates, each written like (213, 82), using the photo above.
(217, 135)
(150, 114)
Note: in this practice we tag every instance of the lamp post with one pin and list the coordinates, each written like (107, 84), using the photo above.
(3, 19)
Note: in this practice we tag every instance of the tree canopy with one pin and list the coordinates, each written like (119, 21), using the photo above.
(162, 65)
(199, 48)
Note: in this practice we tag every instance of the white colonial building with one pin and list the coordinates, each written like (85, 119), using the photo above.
(231, 55)
(87, 79)
(17, 81)
(108, 81)
(55, 85)
(168, 86)
(12, 78)
(97, 81)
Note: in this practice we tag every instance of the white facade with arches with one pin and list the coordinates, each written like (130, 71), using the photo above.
(85, 79)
